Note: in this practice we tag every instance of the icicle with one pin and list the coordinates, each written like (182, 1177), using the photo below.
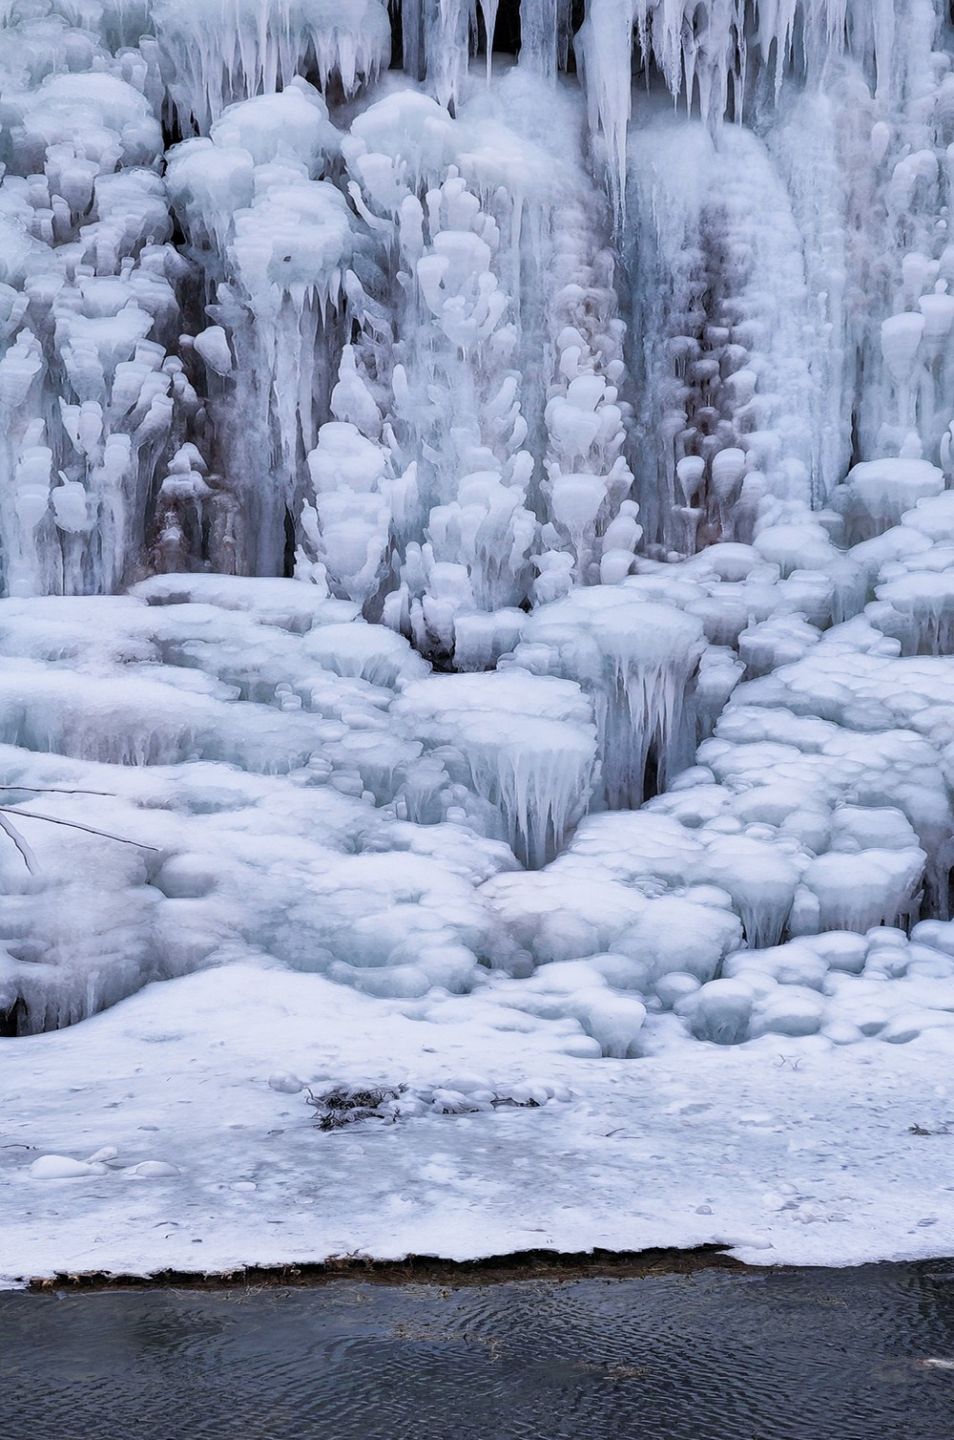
(447, 37)
(488, 11)
(541, 23)
(604, 50)
(220, 52)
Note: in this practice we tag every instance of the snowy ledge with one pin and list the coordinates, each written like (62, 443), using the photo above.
(781, 1152)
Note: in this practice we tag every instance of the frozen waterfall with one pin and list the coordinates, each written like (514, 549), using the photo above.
(473, 507)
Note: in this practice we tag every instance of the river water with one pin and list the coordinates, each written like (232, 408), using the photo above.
(787, 1355)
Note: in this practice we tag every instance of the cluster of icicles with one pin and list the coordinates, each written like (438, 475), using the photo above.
(376, 333)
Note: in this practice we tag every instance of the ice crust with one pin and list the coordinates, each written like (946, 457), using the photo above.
(477, 562)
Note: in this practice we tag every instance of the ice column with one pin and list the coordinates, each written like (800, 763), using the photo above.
(93, 397)
(275, 244)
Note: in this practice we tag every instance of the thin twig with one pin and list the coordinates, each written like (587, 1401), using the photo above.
(70, 824)
(29, 859)
(55, 790)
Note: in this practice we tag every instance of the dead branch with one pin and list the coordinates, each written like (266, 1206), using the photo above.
(56, 790)
(25, 850)
(29, 859)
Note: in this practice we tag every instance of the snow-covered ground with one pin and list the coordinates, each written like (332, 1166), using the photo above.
(476, 622)
(786, 1152)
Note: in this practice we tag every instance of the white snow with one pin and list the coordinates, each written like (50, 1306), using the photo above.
(787, 1151)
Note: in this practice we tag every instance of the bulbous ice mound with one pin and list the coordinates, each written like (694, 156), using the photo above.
(291, 125)
(637, 661)
(878, 492)
(104, 119)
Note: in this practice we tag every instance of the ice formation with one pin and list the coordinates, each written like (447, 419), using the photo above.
(474, 512)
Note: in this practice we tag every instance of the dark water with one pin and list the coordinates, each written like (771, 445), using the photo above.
(811, 1355)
